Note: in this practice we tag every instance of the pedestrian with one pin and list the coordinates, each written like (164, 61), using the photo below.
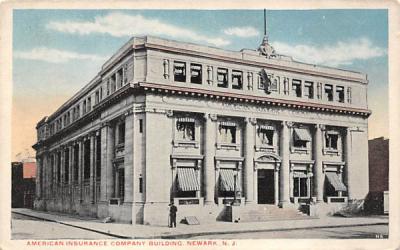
(172, 215)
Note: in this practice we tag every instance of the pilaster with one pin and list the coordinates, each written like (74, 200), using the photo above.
(209, 154)
(249, 159)
(284, 170)
(318, 168)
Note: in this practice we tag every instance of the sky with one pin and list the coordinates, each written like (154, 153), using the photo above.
(57, 52)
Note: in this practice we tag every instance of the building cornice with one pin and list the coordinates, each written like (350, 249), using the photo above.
(268, 101)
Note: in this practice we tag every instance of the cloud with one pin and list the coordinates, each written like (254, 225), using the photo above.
(119, 25)
(54, 55)
(341, 53)
(247, 31)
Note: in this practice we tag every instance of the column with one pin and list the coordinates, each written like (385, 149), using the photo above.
(209, 154)
(255, 184)
(62, 174)
(109, 167)
(291, 181)
(38, 180)
(80, 168)
(128, 157)
(104, 178)
(347, 156)
(92, 163)
(276, 183)
(70, 154)
(318, 168)
(249, 157)
(284, 171)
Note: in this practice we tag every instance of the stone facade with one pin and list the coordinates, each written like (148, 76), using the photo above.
(170, 121)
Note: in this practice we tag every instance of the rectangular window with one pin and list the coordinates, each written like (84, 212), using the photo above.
(237, 82)
(108, 87)
(76, 162)
(84, 107)
(179, 72)
(101, 93)
(113, 83)
(195, 73)
(227, 133)
(89, 104)
(300, 187)
(86, 160)
(185, 131)
(222, 78)
(266, 136)
(309, 90)
(121, 133)
(97, 97)
(328, 91)
(140, 125)
(340, 93)
(331, 140)
(119, 78)
(121, 183)
(296, 88)
(78, 111)
(140, 184)
(58, 167)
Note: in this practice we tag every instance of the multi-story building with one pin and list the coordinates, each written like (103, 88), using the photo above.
(23, 182)
(170, 121)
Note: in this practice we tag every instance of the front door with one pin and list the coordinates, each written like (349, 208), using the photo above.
(265, 186)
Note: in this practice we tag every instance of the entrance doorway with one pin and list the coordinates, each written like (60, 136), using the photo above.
(266, 187)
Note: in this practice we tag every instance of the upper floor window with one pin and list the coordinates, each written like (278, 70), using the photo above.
(266, 135)
(328, 91)
(296, 88)
(222, 78)
(331, 140)
(309, 90)
(195, 73)
(301, 137)
(112, 83)
(121, 133)
(274, 83)
(97, 97)
(108, 86)
(185, 129)
(227, 133)
(119, 77)
(78, 111)
(84, 107)
(237, 79)
(179, 72)
(89, 104)
(340, 93)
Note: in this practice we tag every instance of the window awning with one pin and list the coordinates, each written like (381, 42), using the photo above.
(185, 119)
(302, 134)
(297, 174)
(187, 180)
(266, 127)
(335, 181)
(195, 67)
(227, 180)
(228, 123)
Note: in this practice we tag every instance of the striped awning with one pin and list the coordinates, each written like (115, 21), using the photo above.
(335, 181)
(299, 174)
(185, 119)
(195, 67)
(302, 134)
(227, 180)
(187, 179)
(228, 123)
(266, 127)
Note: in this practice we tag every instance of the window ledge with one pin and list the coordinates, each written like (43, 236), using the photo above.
(185, 144)
(228, 146)
(265, 148)
(329, 151)
(189, 201)
(300, 150)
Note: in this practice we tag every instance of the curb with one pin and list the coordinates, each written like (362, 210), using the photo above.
(189, 235)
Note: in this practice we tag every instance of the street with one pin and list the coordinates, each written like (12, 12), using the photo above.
(357, 232)
(24, 227)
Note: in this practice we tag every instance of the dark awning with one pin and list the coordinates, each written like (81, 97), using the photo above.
(302, 134)
(335, 181)
(227, 180)
(187, 179)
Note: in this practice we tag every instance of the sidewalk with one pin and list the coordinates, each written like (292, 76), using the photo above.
(128, 231)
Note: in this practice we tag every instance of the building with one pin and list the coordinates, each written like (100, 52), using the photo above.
(171, 121)
(378, 156)
(23, 181)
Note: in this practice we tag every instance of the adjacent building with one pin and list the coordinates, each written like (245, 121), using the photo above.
(23, 181)
(171, 121)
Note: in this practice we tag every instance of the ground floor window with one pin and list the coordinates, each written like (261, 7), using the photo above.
(229, 183)
(187, 183)
(300, 184)
(334, 185)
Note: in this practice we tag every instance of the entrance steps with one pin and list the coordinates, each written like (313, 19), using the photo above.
(269, 212)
